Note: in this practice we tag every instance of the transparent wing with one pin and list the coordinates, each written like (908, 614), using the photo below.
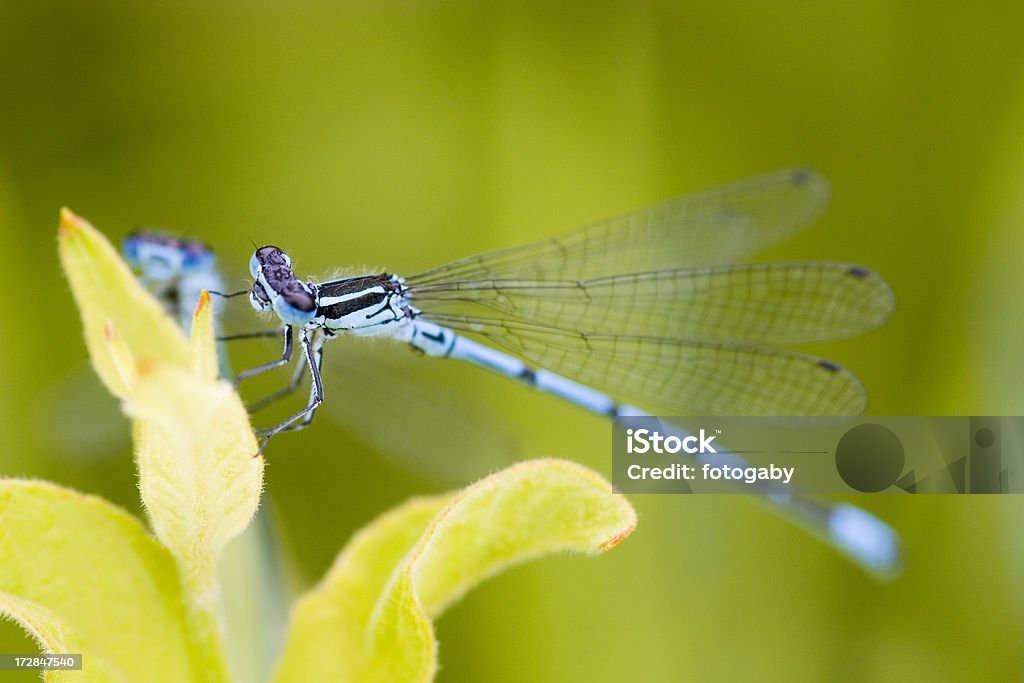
(649, 308)
(712, 227)
(773, 303)
(408, 410)
(671, 376)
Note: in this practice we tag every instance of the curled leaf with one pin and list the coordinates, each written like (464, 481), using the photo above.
(369, 619)
(83, 576)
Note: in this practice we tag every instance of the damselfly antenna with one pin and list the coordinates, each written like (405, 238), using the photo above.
(229, 294)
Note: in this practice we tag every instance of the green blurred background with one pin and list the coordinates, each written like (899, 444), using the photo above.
(406, 134)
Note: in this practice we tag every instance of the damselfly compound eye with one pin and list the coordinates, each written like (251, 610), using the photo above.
(272, 256)
(296, 296)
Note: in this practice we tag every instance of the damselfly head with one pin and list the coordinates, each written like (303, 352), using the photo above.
(160, 257)
(197, 255)
(277, 287)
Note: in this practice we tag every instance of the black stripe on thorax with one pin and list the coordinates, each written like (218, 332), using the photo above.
(343, 308)
(352, 285)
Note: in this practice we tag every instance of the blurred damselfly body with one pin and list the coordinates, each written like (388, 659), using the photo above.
(174, 269)
(649, 309)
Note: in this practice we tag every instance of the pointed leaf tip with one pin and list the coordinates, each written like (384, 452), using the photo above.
(108, 294)
(69, 221)
(204, 301)
(619, 537)
(203, 342)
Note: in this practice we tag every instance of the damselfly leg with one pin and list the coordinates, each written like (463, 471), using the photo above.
(293, 385)
(286, 356)
(313, 352)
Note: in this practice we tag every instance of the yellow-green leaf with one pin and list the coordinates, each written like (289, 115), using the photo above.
(369, 619)
(84, 577)
(109, 298)
(198, 476)
(199, 480)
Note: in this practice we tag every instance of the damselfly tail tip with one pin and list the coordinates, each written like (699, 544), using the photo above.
(801, 175)
(867, 540)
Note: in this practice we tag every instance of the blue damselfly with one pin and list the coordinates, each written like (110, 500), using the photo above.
(174, 269)
(649, 309)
